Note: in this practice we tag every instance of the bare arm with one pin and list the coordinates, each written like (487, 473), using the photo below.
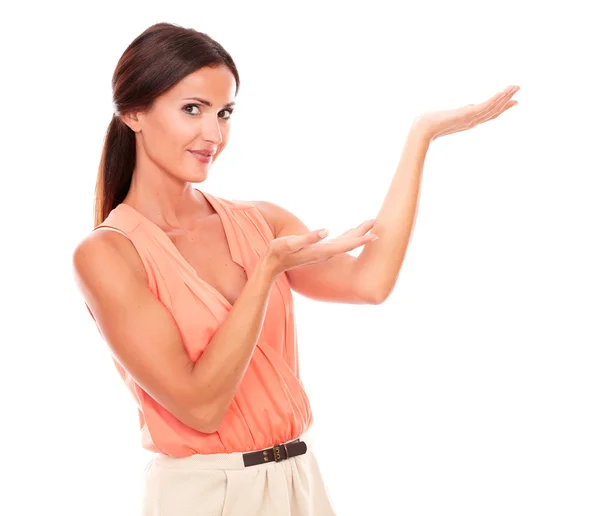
(145, 339)
(221, 368)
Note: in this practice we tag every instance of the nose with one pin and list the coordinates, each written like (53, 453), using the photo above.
(211, 131)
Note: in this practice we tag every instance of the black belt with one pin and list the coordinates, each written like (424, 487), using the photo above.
(277, 453)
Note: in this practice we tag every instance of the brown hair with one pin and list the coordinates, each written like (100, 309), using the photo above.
(155, 61)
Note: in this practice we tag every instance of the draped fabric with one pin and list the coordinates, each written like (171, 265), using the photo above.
(271, 405)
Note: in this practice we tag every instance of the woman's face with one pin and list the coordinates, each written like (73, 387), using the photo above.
(177, 123)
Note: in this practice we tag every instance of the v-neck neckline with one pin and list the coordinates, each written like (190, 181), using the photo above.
(169, 243)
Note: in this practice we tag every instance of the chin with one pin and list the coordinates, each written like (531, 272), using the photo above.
(197, 177)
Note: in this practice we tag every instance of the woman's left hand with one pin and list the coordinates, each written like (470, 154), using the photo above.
(439, 123)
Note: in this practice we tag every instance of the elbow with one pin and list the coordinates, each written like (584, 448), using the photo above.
(203, 410)
(205, 419)
(208, 422)
(378, 300)
(204, 427)
(381, 296)
(376, 296)
(369, 290)
(211, 427)
(201, 423)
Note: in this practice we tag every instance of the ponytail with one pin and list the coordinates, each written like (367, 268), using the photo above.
(116, 168)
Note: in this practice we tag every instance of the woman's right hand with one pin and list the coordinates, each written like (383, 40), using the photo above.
(293, 251)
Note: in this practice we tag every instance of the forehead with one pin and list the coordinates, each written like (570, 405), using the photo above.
(214, 84)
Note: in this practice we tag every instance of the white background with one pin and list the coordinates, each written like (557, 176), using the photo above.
(474, 389)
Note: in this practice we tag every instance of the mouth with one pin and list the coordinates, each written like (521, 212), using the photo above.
(202, 156)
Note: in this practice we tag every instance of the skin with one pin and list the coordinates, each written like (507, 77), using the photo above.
(448, 121)
(163, 192)
(112, 278)
(137, 326)
(381, 262)
(161, 187)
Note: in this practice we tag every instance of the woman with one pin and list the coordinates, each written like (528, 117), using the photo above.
(192, 292)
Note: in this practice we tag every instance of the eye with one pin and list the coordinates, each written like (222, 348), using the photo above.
(190, 106)
(230, 111)
(227, 110)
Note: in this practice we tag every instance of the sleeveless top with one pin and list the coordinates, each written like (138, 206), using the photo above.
(270, 405)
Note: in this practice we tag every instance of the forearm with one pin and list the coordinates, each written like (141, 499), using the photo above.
(378, 265)
(220, 369)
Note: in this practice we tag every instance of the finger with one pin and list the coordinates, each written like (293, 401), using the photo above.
(501, 108)
(503, 100)
(506, 108)
(505, 94)
(361, 229)
(325, 250)
(297, 242)
(495, 104)
(490, 104)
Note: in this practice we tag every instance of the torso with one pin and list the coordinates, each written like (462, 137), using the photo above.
(206, 250)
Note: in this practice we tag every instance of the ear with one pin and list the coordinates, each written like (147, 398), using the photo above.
(132, 121)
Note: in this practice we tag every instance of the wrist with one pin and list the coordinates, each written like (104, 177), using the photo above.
(423, 130)
(266, 268)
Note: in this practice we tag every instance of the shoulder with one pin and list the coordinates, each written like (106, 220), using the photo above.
(272, 213)
(106, 252)
(282, 221)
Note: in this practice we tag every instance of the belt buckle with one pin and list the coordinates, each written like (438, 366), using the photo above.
(277, 452)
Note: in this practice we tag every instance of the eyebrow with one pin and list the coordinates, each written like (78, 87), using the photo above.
(207, 103)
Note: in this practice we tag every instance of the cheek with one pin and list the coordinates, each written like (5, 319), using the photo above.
(223, 144)
(175, 133)
(182, 136)
(168, 135)
(168, 140)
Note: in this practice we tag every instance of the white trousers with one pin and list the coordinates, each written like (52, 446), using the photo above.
(220, 485)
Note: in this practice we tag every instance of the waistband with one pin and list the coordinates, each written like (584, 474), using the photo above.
(236, 460)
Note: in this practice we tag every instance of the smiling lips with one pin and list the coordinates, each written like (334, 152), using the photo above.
(203, 152)
(202, 156)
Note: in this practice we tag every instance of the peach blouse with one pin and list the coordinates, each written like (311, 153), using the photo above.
(270, 406)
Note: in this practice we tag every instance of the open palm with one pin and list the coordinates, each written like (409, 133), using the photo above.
(440, 123)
